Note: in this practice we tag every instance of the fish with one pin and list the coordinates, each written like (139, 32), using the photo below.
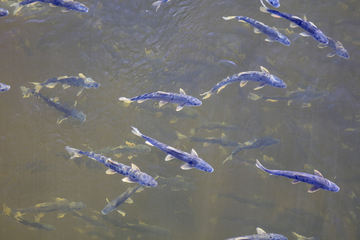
(158, 3)
(176, 183)
(309, 27)
(59, 204)
(54, 102)
(261, 235)
(253, 143)
(299, 237)
(264, 77)
(255, 202)
(317, 180)
(223, 141)
(124, 197)
(164, 97)
(80, 81)
(4, 87)
(337, 47)
(274, 3)
(214, 125)
(309, 93)
(131, 148)
(132, 174)
(272, 32)
(192, 160)
(3, 12)
(68, 4)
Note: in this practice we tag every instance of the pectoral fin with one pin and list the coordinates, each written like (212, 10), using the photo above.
(110, 171)
(169, 157)
(180, 106)
(61, 118)
(65, 86)
(162, 103)
(260, 86)
(129, 200)
(321, 45)
(293, 25)
(149, 143)
(141, 101)
(80, 92)
(51, 85)
(257, 31)
(331, 54)
(295, 181)
(186, 166)
(128, 180)
(270, 39)
(61, 215)
(313, 189)
(243, 83)
(65, 10)
(121, 212)
(305, 34)
(221, 88)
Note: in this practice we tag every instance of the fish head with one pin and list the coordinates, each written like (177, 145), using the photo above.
(332, 186)
(274, 3)
(77, 205)
(193, 101)
(203, 166)
(79, 115)
(79, 7)
(277, 82)
(283, 40)
(90, 83)
(341, 51)
(3, 12)
(146, 180)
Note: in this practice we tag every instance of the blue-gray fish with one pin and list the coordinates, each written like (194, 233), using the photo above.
(4, 87)
(124, 197)
(132, 174)
(54, 102)
(80, 81)
(317, 180)
(3, 12)
(192, 160)
(274, 3)
(261, 235)
(158, 3)
(337, 47)
(164, 97)
(309, 27)
(264, 77)
(67, 4)
(272, 32)
(223, 141)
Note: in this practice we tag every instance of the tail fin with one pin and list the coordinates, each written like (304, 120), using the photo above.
(125, 99)
(73, 152)
(207, 94)
(37, 86)
(26, 91)
(180, 136)
(17, 7)
(157, 5)
(258, 165)
(263, 8)
(228, 159)
(229, 17)
(136, 131)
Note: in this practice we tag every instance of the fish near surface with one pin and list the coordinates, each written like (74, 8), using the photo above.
(3, 12)
(53, 102)
(223, 141)
(158, 3)
(317, 180)
(309, 27)
(337, 47)
(264, 77)
(253, 143)
(132, 174)
(124, 197)
(192, 160)
(68, 4)
(77, 81)
(4, 87)
(273, 33)
(261, 235)
(164, 97)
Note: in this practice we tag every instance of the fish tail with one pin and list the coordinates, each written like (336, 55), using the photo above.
(180, 136)
(228, 159)
(125, 99)
(157, 5)
(207, 94)
(229, 17)
(263, 8)
(258, 165)
(136, 131)
(17, 7)
(37, 86)
(73, 152)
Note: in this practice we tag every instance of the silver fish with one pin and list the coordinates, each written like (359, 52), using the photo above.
(67, 4)
(261, 235)
(337, 47)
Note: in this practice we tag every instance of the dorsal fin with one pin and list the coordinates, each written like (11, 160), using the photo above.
(193, 152)
(133, 166)
(182, 91)
(317, 173)
(260, 231)
(264, 70)
(82, 75)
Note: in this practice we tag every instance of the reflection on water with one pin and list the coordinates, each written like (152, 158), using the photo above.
(130, 49)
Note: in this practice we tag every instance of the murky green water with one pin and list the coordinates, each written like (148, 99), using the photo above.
(130, 49)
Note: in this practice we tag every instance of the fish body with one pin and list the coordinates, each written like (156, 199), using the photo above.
(273, 33)
(164, 97)
(192, 160)
(120, 199)
(132, 174)
(68, 4)
(216, 125)
(261, 235)
(337, 47)
(176, 183)
(223, 141)
(264, 77)
(3, 12)
(317, 180)
(4, 87)
(129, 148)
(68, 111)
(309, 27)
(254, 143)
(77, 81)
(256, 203)
(158, 3)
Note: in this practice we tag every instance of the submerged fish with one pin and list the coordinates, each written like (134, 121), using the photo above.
(54, 102)
(223, 141)
(309, 27)
(264, 77)
(299, 237)
(274, 3)
(131, 148)
(132, 174)
(337, 47)
(3, 12)
(158, 3)
(253, 143)
(261, 235)
(4, 87)
(176, 183)
(164, 97)
(255, 202)
(68, 4)
(80, 81)
(317, 180)
(124, 197)
(214, 125)
(273, 33)
(192, 160)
